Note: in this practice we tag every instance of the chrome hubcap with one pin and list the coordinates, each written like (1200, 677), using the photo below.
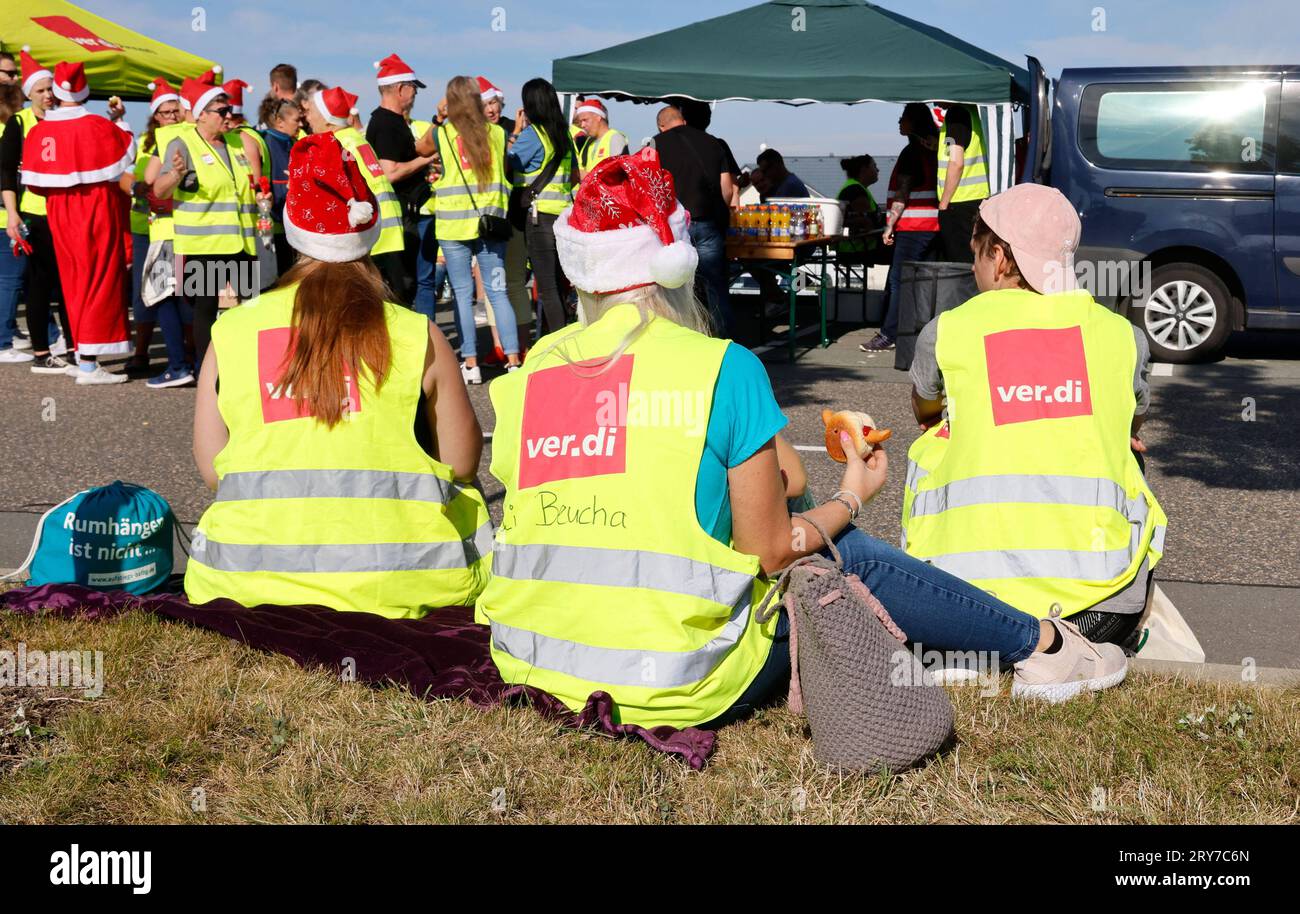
(1180, 315)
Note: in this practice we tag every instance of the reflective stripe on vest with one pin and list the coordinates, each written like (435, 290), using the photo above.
(390, 207)
(458, 200)
(921, 214)
(596, 152)
(623, 591)
(212, 220)
(558, 192)
(356, 517)
(974, 181)
(31, 203)
(1029, 489)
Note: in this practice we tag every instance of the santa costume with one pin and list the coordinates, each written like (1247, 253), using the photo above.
(75, 162)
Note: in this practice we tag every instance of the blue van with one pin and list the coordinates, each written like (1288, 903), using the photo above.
(1188, 183)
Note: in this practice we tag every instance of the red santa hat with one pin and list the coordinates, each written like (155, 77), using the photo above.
(33, 72)
(196, 95)
(392, 69)
(591, 106)
(70, 82)
(162, 93)
(329, 212)
(626, 229)
(234, 90)
(336, 105)
(487, 91)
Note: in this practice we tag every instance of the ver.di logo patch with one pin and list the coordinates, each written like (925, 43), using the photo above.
(75, 32)
(274, 348)
(567, 432)
(1037, 374)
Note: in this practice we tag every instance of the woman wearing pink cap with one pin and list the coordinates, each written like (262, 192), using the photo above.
(637, 540)
(1029, 484)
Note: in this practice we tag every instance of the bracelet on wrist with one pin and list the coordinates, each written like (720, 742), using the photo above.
(845, 493)
(848, 507)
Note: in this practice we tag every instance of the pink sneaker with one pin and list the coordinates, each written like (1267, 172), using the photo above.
(1077, 666)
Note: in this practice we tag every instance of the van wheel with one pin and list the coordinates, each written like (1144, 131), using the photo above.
(1188, 315)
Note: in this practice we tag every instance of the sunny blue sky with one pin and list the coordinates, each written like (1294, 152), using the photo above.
(336, 41)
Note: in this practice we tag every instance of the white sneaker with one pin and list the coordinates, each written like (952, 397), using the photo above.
(99, 376)
(59, 346)
(22, 342)
(14, 356)
(510, 368)
(470, 375)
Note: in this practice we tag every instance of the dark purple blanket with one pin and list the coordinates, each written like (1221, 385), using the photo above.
(444, 655)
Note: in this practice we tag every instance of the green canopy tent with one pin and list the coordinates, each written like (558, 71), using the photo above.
(118, 61)
(798, 52)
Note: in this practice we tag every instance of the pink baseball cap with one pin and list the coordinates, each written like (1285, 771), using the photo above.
(1042, 229)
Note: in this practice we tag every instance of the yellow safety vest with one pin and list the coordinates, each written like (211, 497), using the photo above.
(558, 192)
(602, 577)
(139, 207)
(974, 183)
(595, 152)
(457, 187)
(30, 203)
(390, 208)
(261, 142)
(857, 246)
(217, 219)
(418, 130)
(163, 227)
(1029, 489)
(355, 517)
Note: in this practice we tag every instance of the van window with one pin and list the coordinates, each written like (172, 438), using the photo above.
(1171, 127)
(1288, 130)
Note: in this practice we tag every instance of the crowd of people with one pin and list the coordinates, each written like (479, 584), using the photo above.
(468, 201)
(635, 548)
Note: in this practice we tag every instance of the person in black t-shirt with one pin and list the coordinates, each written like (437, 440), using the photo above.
(705, 187)
(405, 162)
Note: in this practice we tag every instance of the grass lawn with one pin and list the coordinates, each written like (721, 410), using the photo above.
(192, 727)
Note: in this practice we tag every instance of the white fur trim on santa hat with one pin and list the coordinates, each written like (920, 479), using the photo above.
(206, 98)
(588, 108)
(32, 79)
(318, 99)
(608, 261)
(62, 91)
(331, 247)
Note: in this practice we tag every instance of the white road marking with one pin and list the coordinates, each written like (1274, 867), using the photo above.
(1162, 370)
(810, 447)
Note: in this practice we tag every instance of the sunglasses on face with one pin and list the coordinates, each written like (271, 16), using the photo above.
(12, 74)
(223, 111)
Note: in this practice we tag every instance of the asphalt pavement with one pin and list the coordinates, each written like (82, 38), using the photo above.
(1223, 458)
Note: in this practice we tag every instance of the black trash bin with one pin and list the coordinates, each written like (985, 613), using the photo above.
(927, 289)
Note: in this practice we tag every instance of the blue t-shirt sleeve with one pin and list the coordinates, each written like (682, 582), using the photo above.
(743, 418)
(527, 153)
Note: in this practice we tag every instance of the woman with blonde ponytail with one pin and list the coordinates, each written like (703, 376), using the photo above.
(334, 427)
(474, 185)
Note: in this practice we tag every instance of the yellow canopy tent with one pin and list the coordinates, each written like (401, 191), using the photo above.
(118, 61)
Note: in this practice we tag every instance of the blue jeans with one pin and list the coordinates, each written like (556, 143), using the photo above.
(492, 267)
(935, 609)
(171, 313)
(11, 289)
(713, 273)
(907, 246)
(429, 274)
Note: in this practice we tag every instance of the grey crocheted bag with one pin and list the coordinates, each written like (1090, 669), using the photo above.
(869, 702)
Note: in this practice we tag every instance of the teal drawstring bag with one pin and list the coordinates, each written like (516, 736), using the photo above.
(113, 537)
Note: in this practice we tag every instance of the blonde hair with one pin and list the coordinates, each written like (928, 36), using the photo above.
(465, 111)
(653, 302)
